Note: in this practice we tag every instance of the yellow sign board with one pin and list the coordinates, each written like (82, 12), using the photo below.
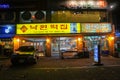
(48, 28)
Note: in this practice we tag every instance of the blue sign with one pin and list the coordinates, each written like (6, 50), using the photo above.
(4, 6)
(96, 53)
(7, 29)
(117, 34)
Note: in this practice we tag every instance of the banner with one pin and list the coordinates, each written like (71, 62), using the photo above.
(48, 28)
(96, 27)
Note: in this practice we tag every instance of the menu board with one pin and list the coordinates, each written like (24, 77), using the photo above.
(48, 28)
(96, 27)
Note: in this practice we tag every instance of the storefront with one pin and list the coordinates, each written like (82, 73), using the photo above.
(52, 38)
(7, 32)
(98, 33)
(48, 38)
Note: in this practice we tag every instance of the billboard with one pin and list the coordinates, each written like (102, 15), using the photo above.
(96, 27)
(48, 28)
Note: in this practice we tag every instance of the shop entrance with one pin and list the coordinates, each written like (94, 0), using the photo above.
(63, 44)
(91, 41)
(52, 46)
(55, 47)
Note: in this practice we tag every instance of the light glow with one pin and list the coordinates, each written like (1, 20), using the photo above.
(23, 41)
(111, 38)
(4, 6)
(86, 3)
(91, 2)
(79, 39)
(18, 40)
(48, 40)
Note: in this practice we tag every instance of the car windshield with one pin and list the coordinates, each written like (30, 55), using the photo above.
(26, 48)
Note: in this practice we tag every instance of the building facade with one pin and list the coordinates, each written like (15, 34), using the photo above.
(65, 25)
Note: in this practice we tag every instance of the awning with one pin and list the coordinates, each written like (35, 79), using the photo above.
(2, 36)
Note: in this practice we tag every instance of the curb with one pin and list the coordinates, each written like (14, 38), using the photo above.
(82, 67)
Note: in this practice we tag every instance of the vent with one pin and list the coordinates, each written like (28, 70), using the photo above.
(33, 16)
(26, 15)
(39, 15)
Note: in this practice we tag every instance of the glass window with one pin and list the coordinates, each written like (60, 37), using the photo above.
(68, 44)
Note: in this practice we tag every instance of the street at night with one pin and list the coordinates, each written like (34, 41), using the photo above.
(66, 69)
(59, 40)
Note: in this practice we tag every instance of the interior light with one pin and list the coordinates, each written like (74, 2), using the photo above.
(112, 38)
(79, 39)
(72, 2)
(48, 40)
(63, 11)
(101, 3)
(23, 41)
(18, 40)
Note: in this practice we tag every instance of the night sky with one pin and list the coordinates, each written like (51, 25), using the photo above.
(115, 11)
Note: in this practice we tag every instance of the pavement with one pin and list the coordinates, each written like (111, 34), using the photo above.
(54, 68)
(56, 62)
(53, 62)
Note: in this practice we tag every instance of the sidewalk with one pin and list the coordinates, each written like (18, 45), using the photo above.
(53, 62)
(49, 68)
(49, 62)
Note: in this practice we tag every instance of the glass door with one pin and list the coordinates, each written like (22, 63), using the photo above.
(55, 47)
(62, 44)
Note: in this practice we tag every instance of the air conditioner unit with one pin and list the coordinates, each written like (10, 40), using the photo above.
(7, 17)
(33, 16)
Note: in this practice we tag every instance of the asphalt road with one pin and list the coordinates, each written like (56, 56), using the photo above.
(49, 68)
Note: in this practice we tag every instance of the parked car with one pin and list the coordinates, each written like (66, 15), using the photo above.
(68, 54)
(74, 54)
(24, 54)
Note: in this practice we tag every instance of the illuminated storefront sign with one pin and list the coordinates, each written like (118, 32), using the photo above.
(4, 6)
(96, 53)
(84, 4)
(96, 27)
(47, 28)
(7, 31)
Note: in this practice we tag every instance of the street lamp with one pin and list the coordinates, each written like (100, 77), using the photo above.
(112, 6)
